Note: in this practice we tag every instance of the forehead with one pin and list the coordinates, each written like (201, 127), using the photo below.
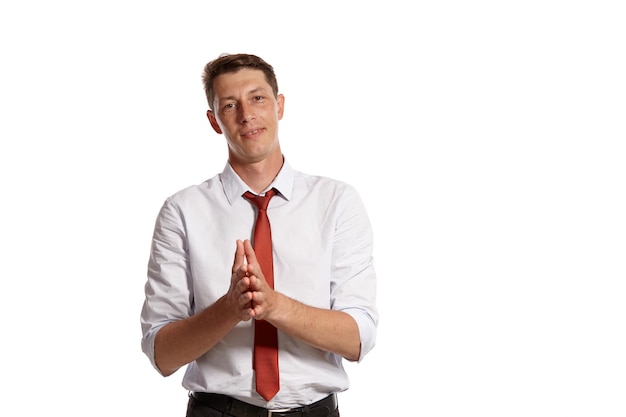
(243, 81)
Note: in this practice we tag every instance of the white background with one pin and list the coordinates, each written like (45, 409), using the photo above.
(485, 137)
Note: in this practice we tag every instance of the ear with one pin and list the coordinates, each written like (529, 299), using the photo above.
(280, 99)
(213, 121)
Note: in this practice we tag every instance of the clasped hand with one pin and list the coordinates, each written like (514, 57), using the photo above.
(249, 293)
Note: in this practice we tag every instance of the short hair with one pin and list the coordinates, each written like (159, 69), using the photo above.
(227, 63)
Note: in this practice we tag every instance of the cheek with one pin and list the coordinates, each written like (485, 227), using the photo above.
(225, 124)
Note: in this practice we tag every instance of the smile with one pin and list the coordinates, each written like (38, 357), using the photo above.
(252, 133)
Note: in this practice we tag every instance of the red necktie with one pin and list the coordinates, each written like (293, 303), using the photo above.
(265, 358)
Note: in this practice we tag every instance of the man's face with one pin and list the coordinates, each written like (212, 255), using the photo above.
(247, 113)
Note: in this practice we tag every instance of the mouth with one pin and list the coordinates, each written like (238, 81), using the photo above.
(252, 133)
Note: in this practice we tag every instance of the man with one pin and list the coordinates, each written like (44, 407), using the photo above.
(207, 295)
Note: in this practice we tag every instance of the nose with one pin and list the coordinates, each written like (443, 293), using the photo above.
(245, 113)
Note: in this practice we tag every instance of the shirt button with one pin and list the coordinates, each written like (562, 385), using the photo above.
(271, 404)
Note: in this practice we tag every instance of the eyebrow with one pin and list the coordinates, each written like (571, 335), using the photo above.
(251, 92)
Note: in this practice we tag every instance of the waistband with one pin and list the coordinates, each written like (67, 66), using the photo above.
(236, 408)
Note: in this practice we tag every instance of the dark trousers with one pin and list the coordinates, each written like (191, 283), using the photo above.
(196, 408)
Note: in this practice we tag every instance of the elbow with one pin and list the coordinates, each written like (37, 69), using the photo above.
(162, 360)
(354, 354)
(165, 371)
(164, 368)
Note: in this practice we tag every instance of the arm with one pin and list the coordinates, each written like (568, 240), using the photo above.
(183, 341)
(329, 330)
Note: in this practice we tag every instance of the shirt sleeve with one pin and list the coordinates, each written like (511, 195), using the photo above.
(353, 286)
(168, 287)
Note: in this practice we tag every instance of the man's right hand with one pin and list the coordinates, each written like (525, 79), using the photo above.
(239, 296)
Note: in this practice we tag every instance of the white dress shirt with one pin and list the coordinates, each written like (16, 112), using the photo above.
(322, 246)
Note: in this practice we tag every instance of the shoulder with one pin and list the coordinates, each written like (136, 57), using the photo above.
(192, 193)
(324, 188)
(321, 182)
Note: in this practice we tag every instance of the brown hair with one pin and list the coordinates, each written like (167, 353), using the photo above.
(227, 63)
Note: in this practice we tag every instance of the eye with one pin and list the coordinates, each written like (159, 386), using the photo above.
(229, 106)
(258, 98)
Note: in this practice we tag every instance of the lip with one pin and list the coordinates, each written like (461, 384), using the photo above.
(252, 133)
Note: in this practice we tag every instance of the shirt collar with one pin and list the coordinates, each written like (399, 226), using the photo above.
(234, 186)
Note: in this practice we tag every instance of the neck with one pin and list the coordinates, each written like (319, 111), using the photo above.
(259, 175)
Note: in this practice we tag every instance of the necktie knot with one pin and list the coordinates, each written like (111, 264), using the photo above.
(261, 201)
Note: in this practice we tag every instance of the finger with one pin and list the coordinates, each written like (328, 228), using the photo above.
(256, 282)
(249, 252)
(239, 256)
(245, 300)
(243, 283)
(258, 312)
(253, 267)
